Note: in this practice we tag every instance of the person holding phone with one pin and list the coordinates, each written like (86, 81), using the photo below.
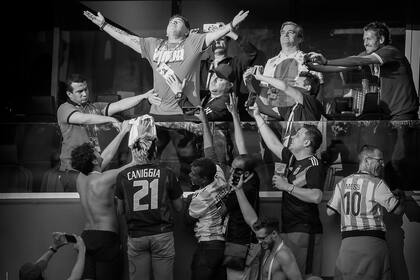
(36, 270)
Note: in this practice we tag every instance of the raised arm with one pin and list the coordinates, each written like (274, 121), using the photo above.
(79, 265)
(270, 139)
(110, 150)
(212, 36)
(239, 135)
(350, 61)
(118, 34)
(82, 118)
(248, 212)
(208, 144)
(130, 102)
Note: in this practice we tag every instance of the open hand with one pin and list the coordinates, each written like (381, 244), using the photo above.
(175, 84)
(232, 106)
(98, 19)
(125, 126)
(153, 97)
(239, 18)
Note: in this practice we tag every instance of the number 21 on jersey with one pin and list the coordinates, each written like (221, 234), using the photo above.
(147, 190)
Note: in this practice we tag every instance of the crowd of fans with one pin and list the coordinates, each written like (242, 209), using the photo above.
(235, 241)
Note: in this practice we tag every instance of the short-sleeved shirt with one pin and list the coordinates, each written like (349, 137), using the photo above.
(310, 110)
(360, 199)
(184, 60)
(77, 134)
(147, 191)
(286, 67)
(397, 90)
(298, 215)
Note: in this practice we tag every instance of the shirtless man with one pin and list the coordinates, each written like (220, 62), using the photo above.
(279, 262)
(96, 190)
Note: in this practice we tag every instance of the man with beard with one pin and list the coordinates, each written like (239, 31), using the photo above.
(302, 183)
(359, 199)
(178, 55)
(398, 96)
(278, 261)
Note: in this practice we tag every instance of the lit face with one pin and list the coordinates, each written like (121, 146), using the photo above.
(176, 28)
(219, 86)
(267, 240)
(220, 45)
(299, 141)
(195, 177)
(371, 41)
(289, 36)
(375, 163)
(80, 93)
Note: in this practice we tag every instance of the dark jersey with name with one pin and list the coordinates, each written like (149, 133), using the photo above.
(307, 173)
(147, 191)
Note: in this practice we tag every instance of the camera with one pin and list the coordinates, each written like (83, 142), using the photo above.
(210, 27)
(251, 99)
(70, 238)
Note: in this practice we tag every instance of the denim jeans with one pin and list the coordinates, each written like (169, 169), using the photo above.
(153, 251)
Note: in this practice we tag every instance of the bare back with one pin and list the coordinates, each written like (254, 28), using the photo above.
(283, 265)
(97, 203)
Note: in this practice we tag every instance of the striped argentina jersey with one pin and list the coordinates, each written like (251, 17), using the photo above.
(360, 199)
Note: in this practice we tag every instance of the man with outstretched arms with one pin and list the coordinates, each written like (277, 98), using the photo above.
(179, 55)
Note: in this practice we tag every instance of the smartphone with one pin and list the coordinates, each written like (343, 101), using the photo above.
(70, 238)
(236, 176)
(251, 99)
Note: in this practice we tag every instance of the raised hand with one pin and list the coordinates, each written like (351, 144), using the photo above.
(314, 57)
(153, 97)
(175, 84)
(125, 126)
(98, 19)
(232, 106)
(58, 239)
(239, 18)
(247, 76)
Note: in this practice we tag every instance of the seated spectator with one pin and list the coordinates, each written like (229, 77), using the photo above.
(35, 271)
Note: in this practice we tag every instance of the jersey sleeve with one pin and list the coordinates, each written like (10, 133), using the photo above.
(197, 42)
(64, 112)
(147, 46)
(387, 54)
(335, 201)
(385, 197)
(174, 189)
(315, 177)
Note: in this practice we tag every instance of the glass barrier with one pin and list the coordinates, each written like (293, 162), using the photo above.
(30, 152)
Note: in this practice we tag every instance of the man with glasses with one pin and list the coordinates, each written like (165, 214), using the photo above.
(359, 199)
(278, 261)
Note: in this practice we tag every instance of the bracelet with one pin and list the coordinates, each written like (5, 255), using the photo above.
(231, 26)
(52, 249)
(103, 25)
(291, 189)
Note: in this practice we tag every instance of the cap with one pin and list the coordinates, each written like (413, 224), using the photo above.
(30, 271)
(225, 71)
